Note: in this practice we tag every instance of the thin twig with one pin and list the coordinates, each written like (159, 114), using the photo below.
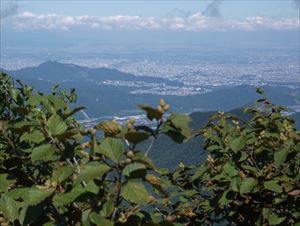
(150, 146)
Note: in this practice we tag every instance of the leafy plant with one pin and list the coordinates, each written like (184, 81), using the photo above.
(54, 171)
(251, 176)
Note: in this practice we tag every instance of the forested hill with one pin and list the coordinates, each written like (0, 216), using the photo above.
(106, 91)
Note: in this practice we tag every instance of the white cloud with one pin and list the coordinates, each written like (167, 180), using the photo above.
(194, 22)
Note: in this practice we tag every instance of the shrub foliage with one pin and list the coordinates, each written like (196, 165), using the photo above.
(54, 171)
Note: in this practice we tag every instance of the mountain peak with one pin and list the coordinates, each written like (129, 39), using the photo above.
(55, 64)
(50, 63)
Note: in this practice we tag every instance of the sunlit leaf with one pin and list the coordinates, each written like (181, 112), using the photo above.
(135, 192)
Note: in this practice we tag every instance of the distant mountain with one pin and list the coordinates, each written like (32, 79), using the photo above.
(296, 117)
(102, 99)
(61, 72)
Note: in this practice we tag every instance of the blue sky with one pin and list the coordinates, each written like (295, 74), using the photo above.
(62, 24)
(233, 8)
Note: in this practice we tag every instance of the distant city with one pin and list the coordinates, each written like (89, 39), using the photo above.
(200, 71)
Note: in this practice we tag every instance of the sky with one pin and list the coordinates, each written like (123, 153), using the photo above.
(74, 24)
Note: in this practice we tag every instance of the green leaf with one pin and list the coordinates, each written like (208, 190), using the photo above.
(177, 127)
(235, 184)
(107, 209)
(200, 171)
(18, 192)
(56, 125)
(92, 187)
(9, 208)
(35, 136)
(181, 123)
(273, 186)
(189, 193)
(30, 214)
(274, 219)
(61, 199)
(110, 128)
(70, 112)
(44, 152)
(129, 169)
(35, 100)
(238, 143)
(14, 93)
(36, 195)
(259, 90)
(247, 184)
(112, 148)
(230, 170)
(6, 180)
(23, 126)
(91, 170)
(266, 213)
(136, 137)
(100, 221)
(152, 113)
(85, 217)
(62, 173)
(135, 192)
(280, 155)
(57, 102)
(226, 197)
(213, 148)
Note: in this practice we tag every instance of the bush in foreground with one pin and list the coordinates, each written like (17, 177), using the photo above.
(53, 171)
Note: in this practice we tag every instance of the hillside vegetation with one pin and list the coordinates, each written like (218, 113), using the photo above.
(53, 171)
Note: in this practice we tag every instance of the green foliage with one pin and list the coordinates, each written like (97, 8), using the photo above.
(53, 171)
(251, 176)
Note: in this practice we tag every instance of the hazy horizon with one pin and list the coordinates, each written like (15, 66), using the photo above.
(50, 30)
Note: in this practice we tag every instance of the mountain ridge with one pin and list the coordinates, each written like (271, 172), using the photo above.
(101, 99)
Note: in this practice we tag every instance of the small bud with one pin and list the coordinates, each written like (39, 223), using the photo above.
(131, 120)
(122, 162)
(166, 107)
(162, 102)
(128, 161)
(166, 201)
(170, 218)
(92, 131)
(242, 175)
(160, 109)
(129, 125)
(2, 220)
(130, 154)
(122, 218)
(48, 183)
(210, 159)
(151, 199)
